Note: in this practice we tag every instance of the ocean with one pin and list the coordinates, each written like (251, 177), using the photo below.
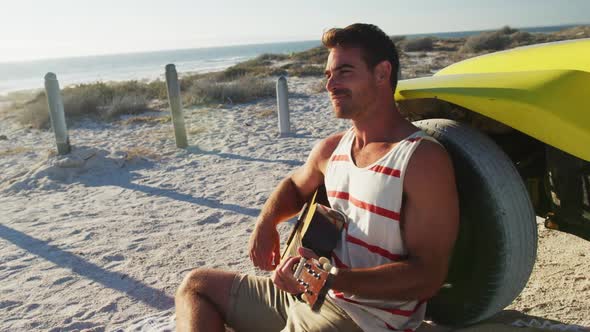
(25, 75)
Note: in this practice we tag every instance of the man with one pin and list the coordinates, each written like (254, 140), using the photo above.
(395, 184)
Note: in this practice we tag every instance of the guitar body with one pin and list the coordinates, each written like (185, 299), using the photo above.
(317, 228)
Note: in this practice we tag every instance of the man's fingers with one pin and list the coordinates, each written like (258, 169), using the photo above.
(283, 278)
(277, 256)
(283, 284)
(287, 268)
(263, 241)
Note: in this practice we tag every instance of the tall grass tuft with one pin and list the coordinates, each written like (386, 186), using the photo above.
(98, 100)
(34, 114)
(502, 39)
(126, 104)
(242, 89)
(418, 44)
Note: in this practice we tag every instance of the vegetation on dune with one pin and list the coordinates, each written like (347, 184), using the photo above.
(242, 89)
(507, 38)
(418, 44)
(99, 100)
(254, 78)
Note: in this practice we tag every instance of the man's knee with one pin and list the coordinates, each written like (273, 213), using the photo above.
(213, 285)
(195, 282)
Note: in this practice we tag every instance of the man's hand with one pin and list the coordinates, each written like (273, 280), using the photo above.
(264, 246)
(283, 277)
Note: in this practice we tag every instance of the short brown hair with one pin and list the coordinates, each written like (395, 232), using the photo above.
(375, 45)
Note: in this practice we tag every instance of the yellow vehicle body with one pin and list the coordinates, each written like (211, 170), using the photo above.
(541, 90)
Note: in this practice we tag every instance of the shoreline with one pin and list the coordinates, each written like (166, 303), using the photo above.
(154, 74)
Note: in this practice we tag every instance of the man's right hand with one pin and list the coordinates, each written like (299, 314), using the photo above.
(265, 247)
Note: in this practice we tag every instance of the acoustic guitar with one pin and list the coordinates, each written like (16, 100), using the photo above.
(318, 228)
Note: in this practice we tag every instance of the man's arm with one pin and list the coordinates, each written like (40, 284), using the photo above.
(430, 221)
(286, 201)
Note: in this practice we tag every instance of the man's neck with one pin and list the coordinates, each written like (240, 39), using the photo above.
(378, 125)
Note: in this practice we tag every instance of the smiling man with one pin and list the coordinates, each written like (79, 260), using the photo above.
(397, 187)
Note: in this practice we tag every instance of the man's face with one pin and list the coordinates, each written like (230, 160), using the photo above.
(351, 83)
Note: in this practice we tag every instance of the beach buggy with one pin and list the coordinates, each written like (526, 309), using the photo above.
(517, 126)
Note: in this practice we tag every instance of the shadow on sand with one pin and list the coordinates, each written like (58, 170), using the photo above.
(118, 281)
(124, 179)
(110, 171)
(288, 162)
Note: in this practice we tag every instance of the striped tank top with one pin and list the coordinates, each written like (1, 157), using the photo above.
(371, 197)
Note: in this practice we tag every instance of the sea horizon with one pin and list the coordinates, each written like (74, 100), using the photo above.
(149, 65)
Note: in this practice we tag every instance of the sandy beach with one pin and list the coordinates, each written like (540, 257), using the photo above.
(99, 240)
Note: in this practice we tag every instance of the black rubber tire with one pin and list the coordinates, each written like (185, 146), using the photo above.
(497, 244)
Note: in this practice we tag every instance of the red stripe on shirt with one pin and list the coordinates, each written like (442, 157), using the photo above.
(338, 262)
(419, 304)
(398, 312)
(386, 170)
(414, 139)
(340, 157)
(374, 249)
(364, 205)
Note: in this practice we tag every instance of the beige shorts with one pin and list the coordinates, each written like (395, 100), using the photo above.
(257, 305)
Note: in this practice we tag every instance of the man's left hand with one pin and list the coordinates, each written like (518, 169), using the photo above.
(283, 277)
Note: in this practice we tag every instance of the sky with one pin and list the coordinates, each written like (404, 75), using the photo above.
(34, 29)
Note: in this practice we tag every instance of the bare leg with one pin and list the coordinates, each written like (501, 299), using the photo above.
(202, 300)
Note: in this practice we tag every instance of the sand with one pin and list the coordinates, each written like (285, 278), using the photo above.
(100, 239)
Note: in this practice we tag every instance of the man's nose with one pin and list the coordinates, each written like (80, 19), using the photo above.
(330, 83)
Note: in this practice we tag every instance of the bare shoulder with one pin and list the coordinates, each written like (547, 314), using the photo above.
(323, 149)
(309, 176)
(429, 157)
(429, 172)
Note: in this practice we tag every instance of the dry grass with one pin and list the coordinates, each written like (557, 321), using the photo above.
(139, 152)
(265, 113)
(197, 130)
(97, 100)
(126, 104)
(19, 97)
(417, 44)
(507, 38)
(316, 55)
(243, 89)
(486, 41)
(34, 114)
(13, 151)
(307, 70)
(146, 119)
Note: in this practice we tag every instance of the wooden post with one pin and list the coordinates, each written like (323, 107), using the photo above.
(56, 114)
(175, 106)
(283, 105)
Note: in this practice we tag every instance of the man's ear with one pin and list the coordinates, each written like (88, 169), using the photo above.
(383, 72)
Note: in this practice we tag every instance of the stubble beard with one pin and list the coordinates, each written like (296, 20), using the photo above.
(345, 110)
